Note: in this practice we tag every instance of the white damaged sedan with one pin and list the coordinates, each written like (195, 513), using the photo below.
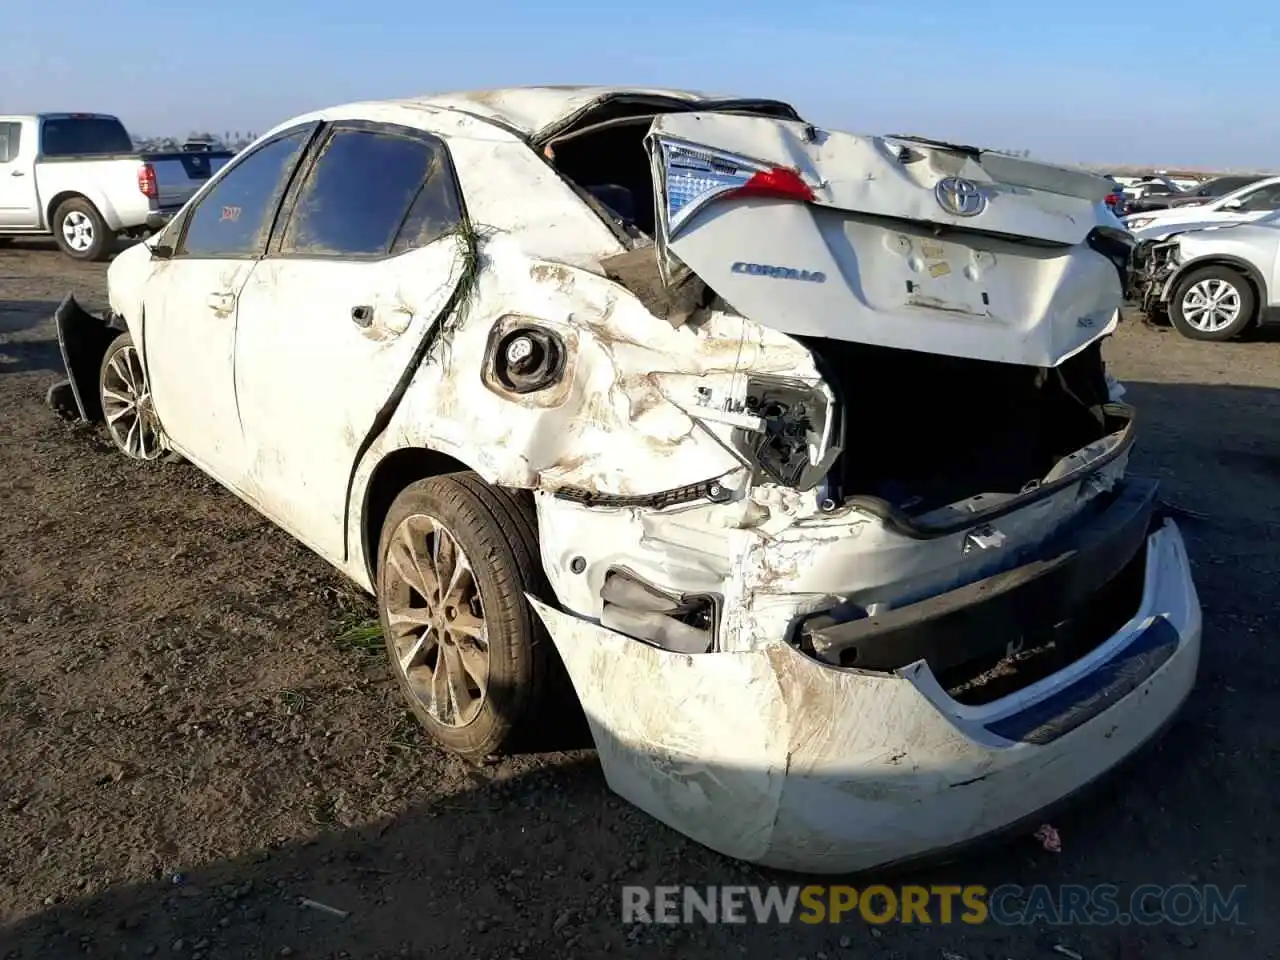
(792, 451)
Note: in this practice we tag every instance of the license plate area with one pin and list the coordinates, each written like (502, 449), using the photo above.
(947, 276)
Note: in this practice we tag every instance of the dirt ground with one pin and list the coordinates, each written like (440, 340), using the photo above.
(188, 745)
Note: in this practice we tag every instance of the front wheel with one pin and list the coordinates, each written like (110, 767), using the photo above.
(80, 231)
(1215, 304)
(126, 402)
(455, 560)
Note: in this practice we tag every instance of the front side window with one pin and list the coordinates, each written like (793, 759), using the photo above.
(1260, 200)
(371, 193)
(234, 218)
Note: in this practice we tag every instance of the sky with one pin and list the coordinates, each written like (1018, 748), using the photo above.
(1170, 84)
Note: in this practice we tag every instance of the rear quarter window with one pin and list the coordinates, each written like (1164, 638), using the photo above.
(371, 193)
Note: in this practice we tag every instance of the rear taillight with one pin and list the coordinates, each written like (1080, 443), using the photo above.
(696, 175)
(779, 182)
(147, 181)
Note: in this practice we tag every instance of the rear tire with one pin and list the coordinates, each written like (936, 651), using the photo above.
(439, 640)
(1213, 304)
(80, 231)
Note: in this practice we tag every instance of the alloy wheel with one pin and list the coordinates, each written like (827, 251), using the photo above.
(126, 405)
(437, 621)
(1211, 305)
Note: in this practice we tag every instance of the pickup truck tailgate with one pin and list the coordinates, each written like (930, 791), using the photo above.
(180, 175)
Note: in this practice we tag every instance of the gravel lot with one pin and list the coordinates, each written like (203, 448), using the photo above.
(176, 697)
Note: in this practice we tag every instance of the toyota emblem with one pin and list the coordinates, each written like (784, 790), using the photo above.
(960, 197)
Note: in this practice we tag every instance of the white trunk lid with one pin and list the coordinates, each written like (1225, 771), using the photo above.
(839, 237)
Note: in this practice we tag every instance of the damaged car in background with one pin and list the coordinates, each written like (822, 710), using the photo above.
(788, 453)
(1211, 282)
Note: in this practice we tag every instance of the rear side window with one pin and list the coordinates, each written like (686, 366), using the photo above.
(1220, 188)
(10, 140)
(371, 193)
(435, 212)
(83, 136)
(233, 219)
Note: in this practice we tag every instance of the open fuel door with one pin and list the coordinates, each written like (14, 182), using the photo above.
(897, 242)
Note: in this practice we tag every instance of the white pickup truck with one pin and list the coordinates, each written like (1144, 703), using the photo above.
(77, 177)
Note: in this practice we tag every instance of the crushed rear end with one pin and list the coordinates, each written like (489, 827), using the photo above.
(931, 604)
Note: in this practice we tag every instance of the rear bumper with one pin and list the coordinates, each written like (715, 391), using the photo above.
(771, 756)
(980, 619)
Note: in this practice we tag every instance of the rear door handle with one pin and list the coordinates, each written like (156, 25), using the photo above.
(221, 301)
(17, 173)
(362, 316)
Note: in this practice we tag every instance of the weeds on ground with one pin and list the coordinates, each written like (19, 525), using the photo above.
(361, 635)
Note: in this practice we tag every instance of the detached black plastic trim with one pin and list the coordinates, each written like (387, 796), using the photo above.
(1116, 244)
(980, 619)
(83, 340)
(707, 490)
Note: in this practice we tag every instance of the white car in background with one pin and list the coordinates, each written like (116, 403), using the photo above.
(1214, 283)
(793, 450)
(1253, 202)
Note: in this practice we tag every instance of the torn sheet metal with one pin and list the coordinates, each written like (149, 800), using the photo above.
(771, 757)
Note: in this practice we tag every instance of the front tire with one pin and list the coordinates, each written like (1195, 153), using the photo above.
(126, 402)
(1214, 304)
(80, 231)
(455, 560)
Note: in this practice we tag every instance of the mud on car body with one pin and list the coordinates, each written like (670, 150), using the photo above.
(792, 451)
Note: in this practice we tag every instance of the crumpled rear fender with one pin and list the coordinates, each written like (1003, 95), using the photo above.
(625, 423)
(618, 422)
(83, 339)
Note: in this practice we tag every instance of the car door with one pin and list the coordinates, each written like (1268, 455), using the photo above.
(191, 303)
(365, 259)
(19, 205)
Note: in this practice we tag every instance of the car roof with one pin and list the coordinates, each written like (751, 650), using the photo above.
(529, 110)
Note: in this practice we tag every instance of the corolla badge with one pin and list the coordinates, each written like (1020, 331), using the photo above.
(960, 197)
(778, 273)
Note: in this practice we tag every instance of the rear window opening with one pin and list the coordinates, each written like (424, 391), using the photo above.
(83, 136)
(604, 154)
(924, 431)
(609, 162)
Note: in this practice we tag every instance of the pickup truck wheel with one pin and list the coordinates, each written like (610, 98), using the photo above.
(455, 560)
(1215, 303)
(126, 402)
(80, 230)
